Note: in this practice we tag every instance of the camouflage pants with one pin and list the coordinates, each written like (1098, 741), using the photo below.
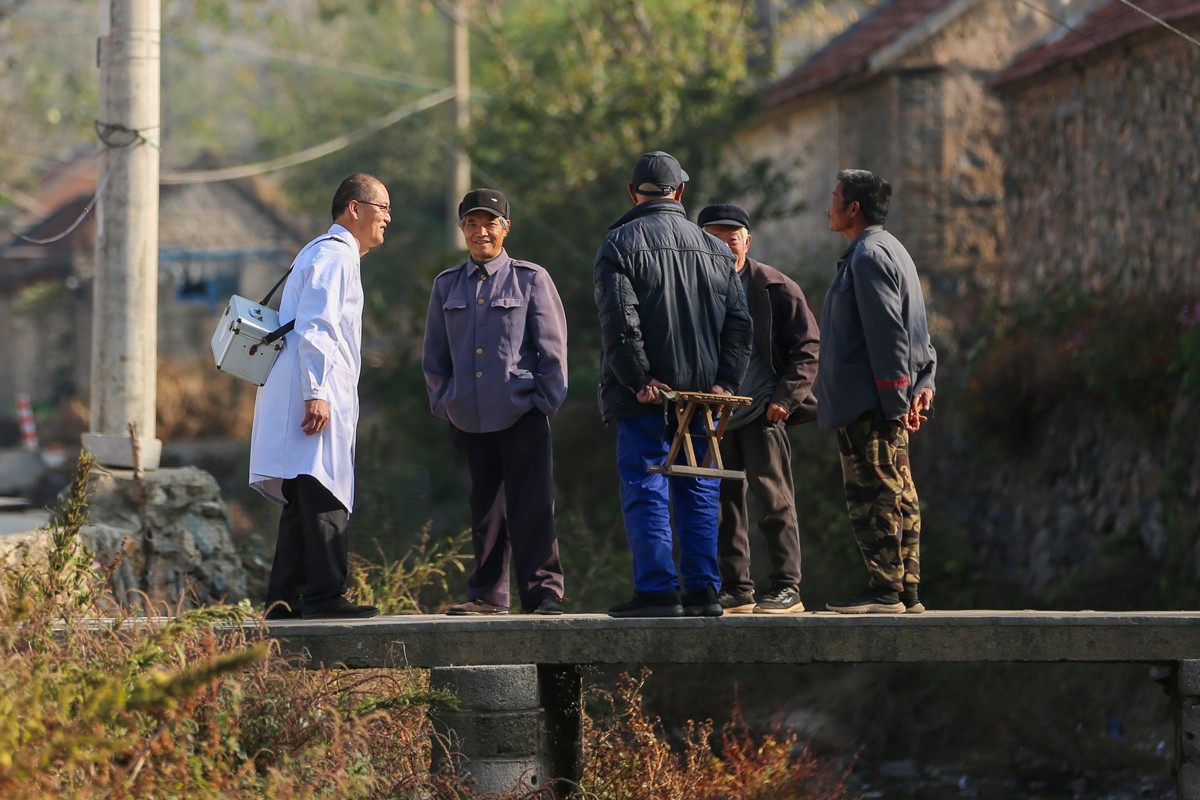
(882, 499)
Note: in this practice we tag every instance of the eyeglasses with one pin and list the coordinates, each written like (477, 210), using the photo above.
(385, 209)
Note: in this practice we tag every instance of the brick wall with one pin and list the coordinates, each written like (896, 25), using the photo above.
(1103, 176)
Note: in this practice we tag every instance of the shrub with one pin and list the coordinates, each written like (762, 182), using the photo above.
(200, 704)
(628, 757)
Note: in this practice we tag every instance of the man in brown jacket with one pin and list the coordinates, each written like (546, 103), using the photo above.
(783, 364)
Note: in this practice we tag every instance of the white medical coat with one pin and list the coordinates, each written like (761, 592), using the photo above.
(320, 359)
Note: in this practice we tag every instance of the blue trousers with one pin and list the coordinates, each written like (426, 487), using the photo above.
(649, 502)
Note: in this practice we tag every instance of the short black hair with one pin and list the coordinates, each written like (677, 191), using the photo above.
(873, 193)
(356, 187)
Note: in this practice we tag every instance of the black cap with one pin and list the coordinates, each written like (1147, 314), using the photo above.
(484, 200)
(661, 170)
(724, 214)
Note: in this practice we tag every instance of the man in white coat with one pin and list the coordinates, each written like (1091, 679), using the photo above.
(306, 415)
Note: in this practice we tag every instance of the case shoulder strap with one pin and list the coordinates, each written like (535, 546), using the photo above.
(287, 327)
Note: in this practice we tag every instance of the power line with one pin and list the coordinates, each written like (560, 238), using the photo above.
(1166, 25)
(1072, 29)
(78, 220)
(178, 177)
(313, 64)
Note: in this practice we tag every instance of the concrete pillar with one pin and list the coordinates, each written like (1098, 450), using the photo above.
(1187, 730)
(125, 290)
(494, 737)
(561, 690)
(460, 162)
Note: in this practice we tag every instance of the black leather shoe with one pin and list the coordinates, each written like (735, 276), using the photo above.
(647, 604)
(281, 610)
(548, 606)
(342, 609)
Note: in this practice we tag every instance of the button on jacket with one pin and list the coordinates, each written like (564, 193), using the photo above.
(875, 348)
(495, 344)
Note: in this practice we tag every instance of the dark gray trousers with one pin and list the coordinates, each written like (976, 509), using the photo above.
(762, 449)
(312, 551)
(512, 511)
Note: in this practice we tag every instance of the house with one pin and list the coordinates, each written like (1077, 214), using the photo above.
(903, 92)
(1103, 158)
(214, 239)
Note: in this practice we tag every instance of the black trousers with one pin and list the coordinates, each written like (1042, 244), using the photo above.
(311, 551)
(762, 449)
(512, 511)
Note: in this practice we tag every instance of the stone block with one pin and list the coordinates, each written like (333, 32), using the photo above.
(1189, 678)
(499, 776)
(490, 688)
(1189, 733)
(1187, 782)
(504, 734)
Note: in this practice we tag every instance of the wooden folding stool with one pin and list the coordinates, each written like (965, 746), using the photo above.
(687, 404)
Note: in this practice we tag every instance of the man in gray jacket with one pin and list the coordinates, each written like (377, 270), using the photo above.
(874, 385)
(495, 364)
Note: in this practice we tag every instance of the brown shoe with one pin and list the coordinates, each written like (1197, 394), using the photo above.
(476, 608)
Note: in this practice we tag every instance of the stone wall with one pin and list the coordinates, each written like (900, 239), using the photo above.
(805, 146)
(169, 535)
(1103, 177)
(927, 123)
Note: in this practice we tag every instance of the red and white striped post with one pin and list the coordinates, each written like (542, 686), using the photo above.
(28, 428)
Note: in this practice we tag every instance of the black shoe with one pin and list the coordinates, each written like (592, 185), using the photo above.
(281, 610)
(703, 603)
(869, 601)
(736, 603)
(476, 608)
(549, 605)
(647, 604)
(784, 600)
(912, 605)
(342, 609)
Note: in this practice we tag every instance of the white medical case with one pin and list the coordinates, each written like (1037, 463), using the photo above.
(237, 342)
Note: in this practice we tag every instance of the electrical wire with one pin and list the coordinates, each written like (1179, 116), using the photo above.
(78, 220)
(1166, 25)
(180, 177)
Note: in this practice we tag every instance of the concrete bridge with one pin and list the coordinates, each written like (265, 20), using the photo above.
(519, 683)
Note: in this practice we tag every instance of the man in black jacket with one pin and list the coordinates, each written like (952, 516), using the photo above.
(673, 317)
(783, 365)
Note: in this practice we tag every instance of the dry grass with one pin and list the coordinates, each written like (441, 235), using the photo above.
(201, 704)
(195, 401)
(629, 757)
(194, 705)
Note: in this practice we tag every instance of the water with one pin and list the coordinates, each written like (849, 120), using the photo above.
(904, 780)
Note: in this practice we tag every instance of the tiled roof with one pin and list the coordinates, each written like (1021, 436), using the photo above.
(1107, 24)
(850, 54)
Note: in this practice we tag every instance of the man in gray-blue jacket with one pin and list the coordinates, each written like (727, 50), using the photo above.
(495, 366)
(874, 385)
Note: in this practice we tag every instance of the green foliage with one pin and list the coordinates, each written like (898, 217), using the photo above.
(425, 579)
(68, 578)
(1077, 350)
(1182, 473)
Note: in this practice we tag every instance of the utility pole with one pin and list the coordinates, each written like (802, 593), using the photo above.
(460, 167)
(125, 288)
